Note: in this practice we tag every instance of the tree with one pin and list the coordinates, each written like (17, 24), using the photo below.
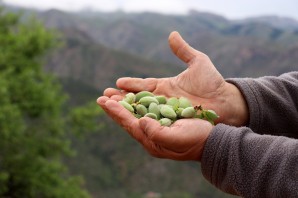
(33, 139)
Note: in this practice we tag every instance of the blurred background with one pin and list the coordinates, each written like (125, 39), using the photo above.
(57, 57)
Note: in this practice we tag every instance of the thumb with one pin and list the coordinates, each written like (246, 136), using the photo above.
(155, 132)
(137, 84)
(181, 49)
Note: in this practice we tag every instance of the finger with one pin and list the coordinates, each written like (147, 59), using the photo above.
(111, 91)
(155, 132)
(116, 97)
(181, 49)
(134, 129)
(121, 115)
(158, 151)
(137, 84)
(182, 141)
(174, 135)
(163, 142)
(102, 100)
(125, 119)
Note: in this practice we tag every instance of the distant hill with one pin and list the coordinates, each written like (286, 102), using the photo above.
(276, 21)
(94, 64)
(236, 47)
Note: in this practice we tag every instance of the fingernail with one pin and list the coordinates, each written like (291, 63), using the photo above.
(100, 100)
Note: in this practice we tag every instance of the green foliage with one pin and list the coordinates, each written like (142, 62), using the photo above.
(84, 119)
(32, 136)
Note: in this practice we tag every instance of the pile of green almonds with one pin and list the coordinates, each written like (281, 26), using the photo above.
(166, 110)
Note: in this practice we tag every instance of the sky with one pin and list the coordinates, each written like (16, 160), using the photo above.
(231, 9)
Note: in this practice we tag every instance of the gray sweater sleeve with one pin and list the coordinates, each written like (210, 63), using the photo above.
(245, 162)
(272, 103)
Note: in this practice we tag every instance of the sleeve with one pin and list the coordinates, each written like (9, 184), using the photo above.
(259, 161)
(241, 162)
(272, 103)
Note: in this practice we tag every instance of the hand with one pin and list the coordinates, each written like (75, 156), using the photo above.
(184, 140)
(200, 82)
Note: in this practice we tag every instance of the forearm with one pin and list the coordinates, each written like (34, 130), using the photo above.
(244, 163)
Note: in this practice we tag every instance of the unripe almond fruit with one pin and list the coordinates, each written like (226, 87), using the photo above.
(126, 106)
(143, 94)
(147, 100)
(168, 112)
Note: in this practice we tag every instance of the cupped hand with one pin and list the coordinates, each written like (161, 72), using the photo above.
(183, 140)
(200, 82)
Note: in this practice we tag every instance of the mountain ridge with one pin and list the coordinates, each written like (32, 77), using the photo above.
(225, 41)
(81, 59)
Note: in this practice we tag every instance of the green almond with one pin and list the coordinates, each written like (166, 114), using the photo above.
(137, 115)
(130, 98)
(184, 102)
(179, 111)
(211, 114)
(151, 115)
(141, 109)
(153, 108)
(147, 100)
(174, 102)
(161, 99)
(143, 94)
(168, 112)
(165, 122)
(188, 112)
(127, 106)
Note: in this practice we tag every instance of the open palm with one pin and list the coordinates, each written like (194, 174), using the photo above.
(200, 82)
(183, 140)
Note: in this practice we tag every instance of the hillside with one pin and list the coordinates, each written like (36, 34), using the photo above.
(81, 59)
(100, 47)
(236, 47)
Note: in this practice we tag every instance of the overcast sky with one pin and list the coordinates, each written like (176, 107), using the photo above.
(232, 9)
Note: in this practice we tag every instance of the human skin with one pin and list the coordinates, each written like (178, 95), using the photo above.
(201, 83)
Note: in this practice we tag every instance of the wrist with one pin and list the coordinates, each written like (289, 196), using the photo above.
(235, 108)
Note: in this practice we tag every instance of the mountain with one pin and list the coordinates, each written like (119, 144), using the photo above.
(81, 59)
(236, 47)
(276, 21)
